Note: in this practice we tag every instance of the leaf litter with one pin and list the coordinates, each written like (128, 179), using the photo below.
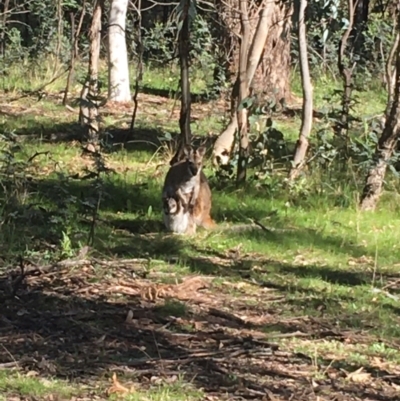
(75, 325)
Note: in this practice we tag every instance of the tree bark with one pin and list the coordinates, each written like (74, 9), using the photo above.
(184, 43)
(307, 111)
(268, 68)
(60, 29)
(391, 73)
(75, 35)
(118, 67)
(346, 71)
(272, 78)
(361, 13)
(88, 113)
(4, 28)
(386, 145)
(259, 40)
(242, 117)
(139, 65)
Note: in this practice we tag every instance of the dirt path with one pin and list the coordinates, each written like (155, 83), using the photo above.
(101, 317)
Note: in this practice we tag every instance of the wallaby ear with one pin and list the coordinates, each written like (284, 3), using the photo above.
(187, 151)
(178, 156)
(201, 151)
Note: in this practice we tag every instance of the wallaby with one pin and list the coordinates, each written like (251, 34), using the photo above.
(176, 218)
(182, 181)
(186, 193)
(202, 206)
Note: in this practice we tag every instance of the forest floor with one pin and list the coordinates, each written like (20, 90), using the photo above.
(301, 303)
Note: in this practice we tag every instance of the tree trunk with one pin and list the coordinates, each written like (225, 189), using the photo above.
(242, 117)
(268, 68)
(184, 43)
(346, 71)
(385, 147)
(272, 78)
(139, 65)
(361, 12)
(60, 29)
(391, 73)
(4, 28)
(118, 67)
(307, 111)
(75, 38)
(184, 48)
(88, 113)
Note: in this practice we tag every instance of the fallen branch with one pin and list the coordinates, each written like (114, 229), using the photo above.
(8, 365)
(46, 153)
(289, 335)
(119, 262)
(227, 316)
(40, 88)
(28, 268)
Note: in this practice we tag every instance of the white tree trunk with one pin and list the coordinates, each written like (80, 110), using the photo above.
(118, 69)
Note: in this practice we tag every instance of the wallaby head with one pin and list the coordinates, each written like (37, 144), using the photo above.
(194, 158)
(170, 206)
(186, 152)
(176, 219)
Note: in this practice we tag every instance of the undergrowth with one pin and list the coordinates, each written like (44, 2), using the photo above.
(311, 244)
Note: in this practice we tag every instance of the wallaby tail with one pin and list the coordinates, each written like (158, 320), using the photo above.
(208, 223)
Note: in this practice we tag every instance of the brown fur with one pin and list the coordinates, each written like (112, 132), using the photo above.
(176, 218)
(202, 206)
(181, 189)
(183, 178)
(201, 199)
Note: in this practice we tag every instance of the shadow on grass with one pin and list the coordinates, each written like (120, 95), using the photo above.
(172, 94)
(143, 138)
(53, 331)
(242, 267)
(72, 324)
(146, 238)
(129, 209)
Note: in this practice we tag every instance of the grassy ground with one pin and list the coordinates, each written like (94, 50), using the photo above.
(305, 308)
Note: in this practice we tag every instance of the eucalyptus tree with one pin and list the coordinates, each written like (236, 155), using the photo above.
(118, 67)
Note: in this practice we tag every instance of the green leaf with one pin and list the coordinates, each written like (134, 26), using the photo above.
(246, 103)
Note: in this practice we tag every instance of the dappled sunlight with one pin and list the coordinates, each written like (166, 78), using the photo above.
(294, 294)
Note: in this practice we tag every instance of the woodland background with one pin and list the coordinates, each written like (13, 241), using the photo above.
(295, 295)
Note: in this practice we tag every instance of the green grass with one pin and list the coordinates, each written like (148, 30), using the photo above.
(320, 258)
(173, 308)
(31, 386)
(324, 88)
(167, 79)
(180, 391)
(326, 354)
(20, 385)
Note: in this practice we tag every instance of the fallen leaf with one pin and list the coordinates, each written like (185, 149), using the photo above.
(118, 388)
(101, 339)
(395, 386)
(198, 325)
(359, 376)
(32, 373)
(378, 362)
(129, 316)
(156, 380)
(172, 379)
